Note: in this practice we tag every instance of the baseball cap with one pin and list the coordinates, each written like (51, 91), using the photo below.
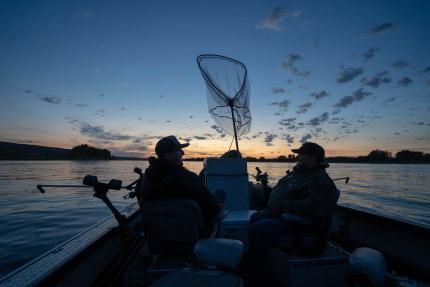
(168, 144)
(312, 149)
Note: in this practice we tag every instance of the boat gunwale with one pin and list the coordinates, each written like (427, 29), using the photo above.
(112, 225)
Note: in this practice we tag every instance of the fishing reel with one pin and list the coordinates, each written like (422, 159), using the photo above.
(92, 181)
(261, 177)
(101, 189)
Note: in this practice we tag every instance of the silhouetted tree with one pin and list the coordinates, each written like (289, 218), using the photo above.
(281, 158)
(86, 151)
(408, 155)
(379, 155)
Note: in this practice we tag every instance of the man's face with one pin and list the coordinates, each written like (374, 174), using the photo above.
(175, 155)
(307, 161)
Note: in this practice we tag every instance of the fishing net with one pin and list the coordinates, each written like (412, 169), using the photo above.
(227, 92)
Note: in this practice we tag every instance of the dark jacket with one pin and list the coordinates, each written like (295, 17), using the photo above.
(164, 179)
(307, 193)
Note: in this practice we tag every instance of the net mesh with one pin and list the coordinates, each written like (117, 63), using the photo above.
(227, 88)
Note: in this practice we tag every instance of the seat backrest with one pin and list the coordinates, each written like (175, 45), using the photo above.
(172, 227)
(230, 175)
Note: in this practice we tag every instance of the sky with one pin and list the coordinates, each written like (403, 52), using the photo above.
(352, 76)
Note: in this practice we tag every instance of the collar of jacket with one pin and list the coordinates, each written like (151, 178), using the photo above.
(300, 170)
(163, 162)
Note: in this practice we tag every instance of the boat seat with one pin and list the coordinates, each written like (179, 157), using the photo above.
(231, 176)
(173, 228)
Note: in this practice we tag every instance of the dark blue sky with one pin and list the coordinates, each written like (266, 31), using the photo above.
(353, 76)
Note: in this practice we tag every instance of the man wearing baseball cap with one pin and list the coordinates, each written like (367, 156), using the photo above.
(166, 178)
(307, 191)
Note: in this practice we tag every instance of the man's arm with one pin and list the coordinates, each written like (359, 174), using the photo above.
(319, 203)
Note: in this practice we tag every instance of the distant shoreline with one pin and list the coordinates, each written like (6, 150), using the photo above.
(26, 152)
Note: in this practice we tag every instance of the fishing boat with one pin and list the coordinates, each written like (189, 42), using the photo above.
(114, 252)
(158, 243)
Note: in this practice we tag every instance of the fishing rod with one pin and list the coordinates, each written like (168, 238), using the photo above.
(41, 189)
(341, 178)
(100, 191)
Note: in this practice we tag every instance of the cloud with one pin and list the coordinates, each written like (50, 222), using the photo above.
(376, 80)
(304, 108)
(274, 20)
(305, 138)
(319, 95)
(348, 74)
(283, 105)
(290, 65)
(50, 99)
(418, 123)
(99, 132)
(218, 130)
(356, 96)
(426, 70)
(278, 91)
(186, 139)
(392, 99)
(404, 82)
(135, 147)
(382, 28)
(400, 64)
(269, 139)
(289, 138)
(318, 120)
(287, 122)
(369, 53)
(200, 138)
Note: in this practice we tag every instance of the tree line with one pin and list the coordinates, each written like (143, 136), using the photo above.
(375, 156)
(14, 151)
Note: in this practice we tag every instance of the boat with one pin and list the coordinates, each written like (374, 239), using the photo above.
(113, 251)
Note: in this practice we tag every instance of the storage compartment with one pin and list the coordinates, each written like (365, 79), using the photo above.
(236, 225)
(329, 269)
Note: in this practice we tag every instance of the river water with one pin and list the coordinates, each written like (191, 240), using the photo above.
(32, 223)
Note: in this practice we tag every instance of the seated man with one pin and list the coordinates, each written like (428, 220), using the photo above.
(307, 191)
(166, 178)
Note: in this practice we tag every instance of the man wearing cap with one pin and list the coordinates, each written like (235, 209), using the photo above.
(166, 178)
(307, 191)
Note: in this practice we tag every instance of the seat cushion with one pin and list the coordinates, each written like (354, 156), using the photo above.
(219, 251)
